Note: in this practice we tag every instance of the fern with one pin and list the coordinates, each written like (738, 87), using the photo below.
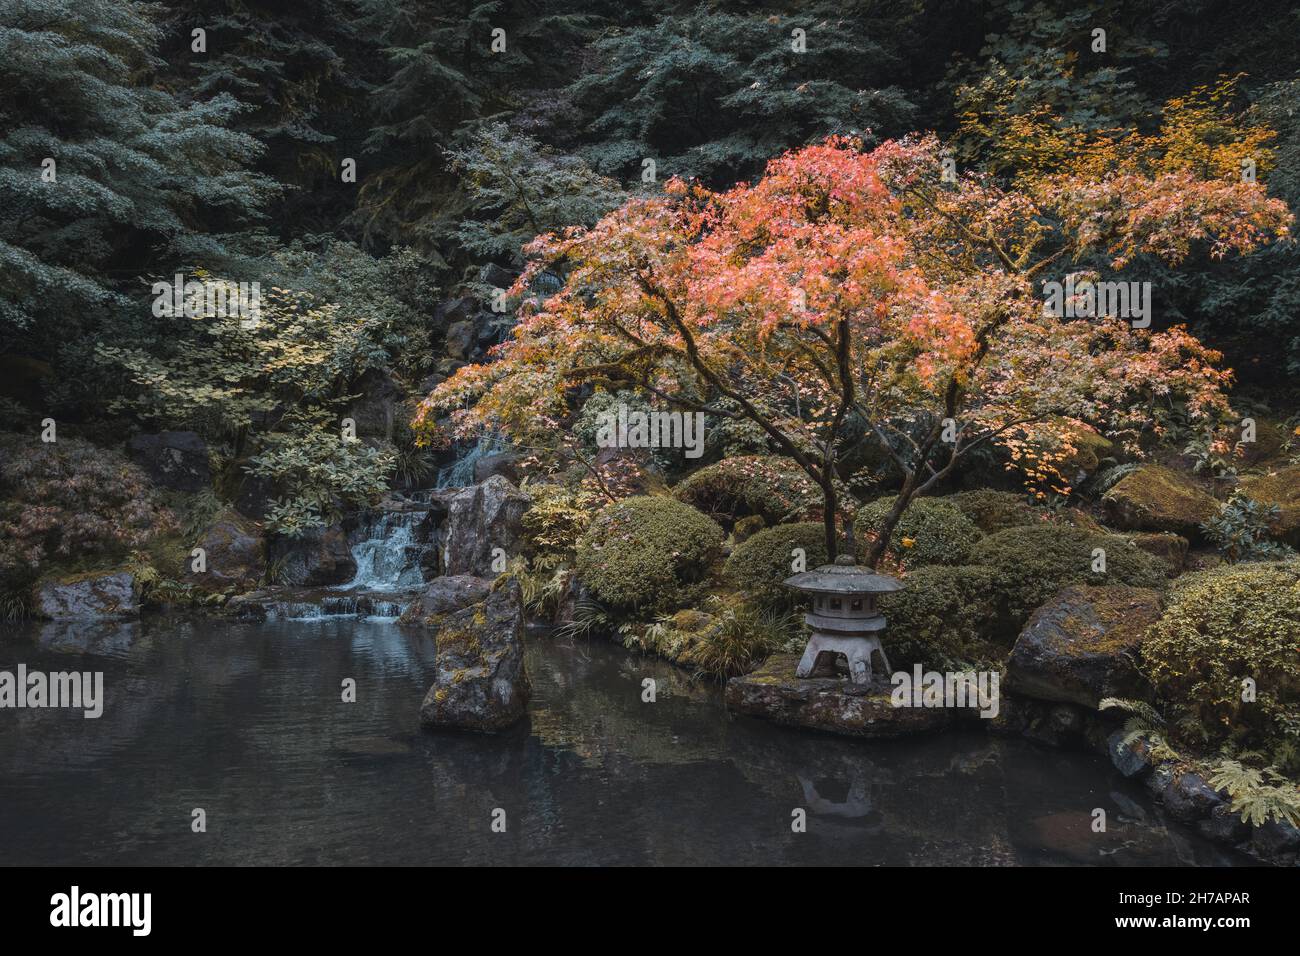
(1107, 478)
(1259, 795)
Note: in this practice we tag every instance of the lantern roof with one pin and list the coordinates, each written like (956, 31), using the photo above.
(844, 577)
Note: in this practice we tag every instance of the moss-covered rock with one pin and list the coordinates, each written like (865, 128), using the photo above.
(1281, 488)
(1082, 646)
(639, 553)
(1090, 449)
(1169, 548)
(747, 527)
(819, 703)
(1222, 627)
(1156, 498)
(991, 510)
(733, 488)
(1031, 564)
(88, 596)
(945, 615)
(759, 565)
(931, 531)
(235, 554)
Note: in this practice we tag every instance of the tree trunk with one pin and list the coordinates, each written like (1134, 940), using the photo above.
(878, 547)
(829, 508)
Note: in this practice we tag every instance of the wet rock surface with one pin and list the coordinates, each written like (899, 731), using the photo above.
(480, 519)
(445, 596)
(88, 597)
(481, 683)
(820, 703)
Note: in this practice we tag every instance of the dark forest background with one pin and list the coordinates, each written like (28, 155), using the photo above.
(226, 158)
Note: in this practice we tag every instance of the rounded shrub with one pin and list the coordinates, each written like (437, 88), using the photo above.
(759, 564)
(638, 553)
(1034, 562)
(991, 510)
(931, 531)
(944, 616)
(774, 488)
(1219, 628)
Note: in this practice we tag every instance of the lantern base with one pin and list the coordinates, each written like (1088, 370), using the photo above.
(857, 650)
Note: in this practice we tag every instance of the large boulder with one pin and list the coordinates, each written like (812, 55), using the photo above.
(461, 338)
(481, 518)
(445, 596)
(1156, 498)
(177, 460)
(1082, 645)
(480, 683)
(1281, 488)
(374, 410)
(498, 463)
(316, 558)
(88, 597)
(234, 554)
(820, 703)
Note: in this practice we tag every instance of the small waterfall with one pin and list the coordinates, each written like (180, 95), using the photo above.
(387, 553)
(391, 549)
(375, 608)
(460, 472)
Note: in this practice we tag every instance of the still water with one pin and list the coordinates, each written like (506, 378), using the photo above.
(246, 721)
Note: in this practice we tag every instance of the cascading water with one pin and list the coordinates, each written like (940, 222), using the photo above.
(387, 553)
(390, 549)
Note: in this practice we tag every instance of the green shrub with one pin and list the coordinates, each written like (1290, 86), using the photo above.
(1242, 531)
(944, 616)
(1221, 627)
(991, 510)
(759, 564)
(557, 517)
(774, 488)
(1034, 562)
(931, 531)
(639, 553)
(71, 502)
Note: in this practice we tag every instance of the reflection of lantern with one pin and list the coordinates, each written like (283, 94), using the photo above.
(844, 618)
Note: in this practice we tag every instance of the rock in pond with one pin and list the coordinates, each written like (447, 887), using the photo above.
(1082, 645)
(445, 596)
(1156, 498)
(820, 703)
(481, 518)
(481, 683)
(88, 597)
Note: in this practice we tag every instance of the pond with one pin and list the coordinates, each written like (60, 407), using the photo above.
(247, 722)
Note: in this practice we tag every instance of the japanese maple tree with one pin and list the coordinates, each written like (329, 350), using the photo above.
(850, 292)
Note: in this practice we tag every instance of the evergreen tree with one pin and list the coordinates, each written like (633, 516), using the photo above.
(713, 94)
(101, 173)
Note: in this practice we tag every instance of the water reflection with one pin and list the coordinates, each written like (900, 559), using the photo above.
(247, 721)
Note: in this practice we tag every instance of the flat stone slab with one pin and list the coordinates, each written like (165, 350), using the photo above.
(820, 703)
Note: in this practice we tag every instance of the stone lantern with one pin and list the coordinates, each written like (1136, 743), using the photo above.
(844, 617)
